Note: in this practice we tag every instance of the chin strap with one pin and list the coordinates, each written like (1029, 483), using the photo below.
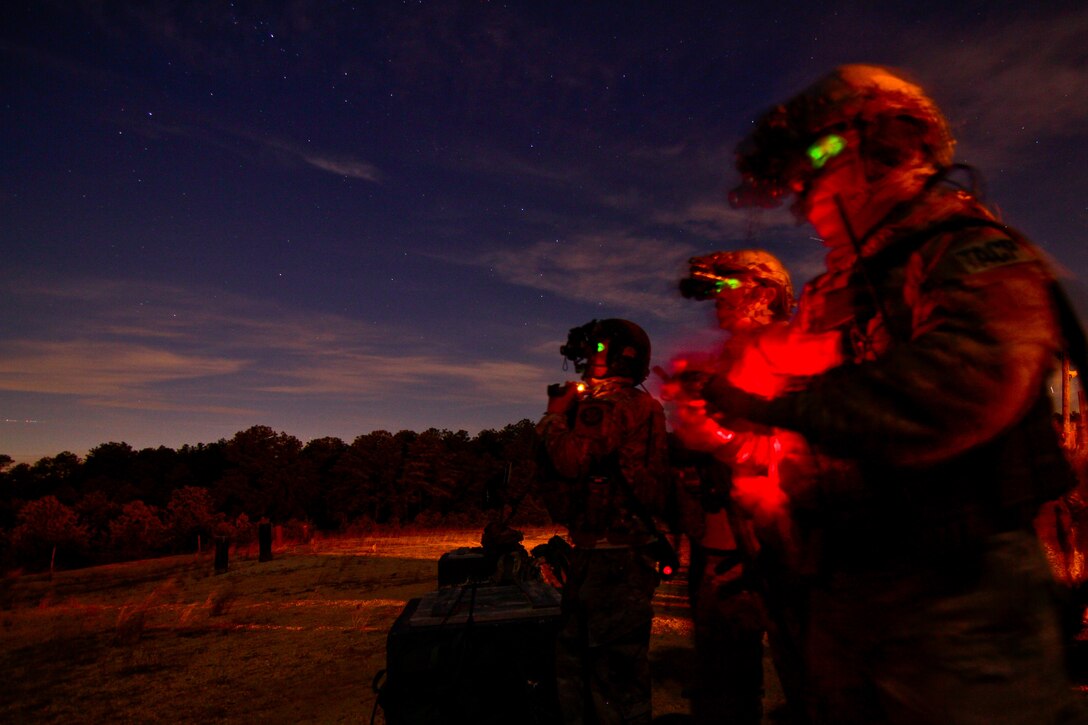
(899, 211)
(859, 265)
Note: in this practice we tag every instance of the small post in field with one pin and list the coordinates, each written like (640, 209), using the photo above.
(222, 549)
(264, 539)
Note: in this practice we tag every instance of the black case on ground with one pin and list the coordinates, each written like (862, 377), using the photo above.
(464, 565)
(474, 654)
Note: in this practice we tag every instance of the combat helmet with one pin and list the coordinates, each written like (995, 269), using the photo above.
(710, 273)
(792, 141)
(626, 344)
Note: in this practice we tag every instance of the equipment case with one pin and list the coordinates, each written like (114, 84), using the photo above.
(474, 654)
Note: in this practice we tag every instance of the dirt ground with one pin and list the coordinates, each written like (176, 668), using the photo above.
(298, 639)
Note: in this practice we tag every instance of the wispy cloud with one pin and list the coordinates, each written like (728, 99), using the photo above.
(155, 347)
(344, 167)
(713, 219)
(251, 143)
(1011, 83)
(334, 163)
(91, 368)
(631, 273)
(370, 376)
(291, 153)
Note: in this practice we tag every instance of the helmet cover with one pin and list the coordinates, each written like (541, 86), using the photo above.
(773, 160)
(709, 271)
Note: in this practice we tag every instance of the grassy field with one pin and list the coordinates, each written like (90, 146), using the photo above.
(297, 639)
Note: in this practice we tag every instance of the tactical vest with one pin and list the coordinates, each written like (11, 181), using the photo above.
(997, 486)
(599, 505)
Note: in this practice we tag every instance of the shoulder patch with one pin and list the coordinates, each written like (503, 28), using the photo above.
(980, 255)
(591, 415)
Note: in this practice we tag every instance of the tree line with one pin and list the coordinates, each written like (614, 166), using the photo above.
(121, 503)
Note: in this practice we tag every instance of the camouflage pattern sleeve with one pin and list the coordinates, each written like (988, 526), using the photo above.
(569, 454)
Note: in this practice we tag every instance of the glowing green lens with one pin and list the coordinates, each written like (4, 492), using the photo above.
(600, 347)
(727, 283)
(825, 149)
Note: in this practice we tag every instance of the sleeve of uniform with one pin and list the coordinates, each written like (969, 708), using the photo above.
(983, 338)
(568, 452)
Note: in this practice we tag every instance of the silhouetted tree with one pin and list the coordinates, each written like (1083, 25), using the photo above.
(262, 466)
(138, 531)
(10, 482)
(240, 531)
(518, 445)
(190, 514)
(366, 473)
(220, 487)
(57, 476)
(108, 469)
(46, 523)
(156, 472)
(96, 511)
(203, 463)
(318, 477)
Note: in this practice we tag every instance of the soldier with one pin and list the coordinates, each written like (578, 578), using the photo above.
(750, 289)
(930, 598)
(605, 453)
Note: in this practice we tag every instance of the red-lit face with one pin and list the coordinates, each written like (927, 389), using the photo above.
(744, 304)
(843, 181)
(849, 194)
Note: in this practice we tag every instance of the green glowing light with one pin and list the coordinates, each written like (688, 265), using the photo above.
(825, 149)
(730, 282)
(600, 347)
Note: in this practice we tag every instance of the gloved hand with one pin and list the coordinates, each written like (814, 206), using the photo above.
(686, 374)
(561, 403)
(721, 395)
(759, 496)
(695, 429)
(681, 391)
(777, 359)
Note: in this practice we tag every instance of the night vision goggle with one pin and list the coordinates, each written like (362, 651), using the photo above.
(775, 164)
(706, 281)
(582, 344)
(826, 149)
(700, 287)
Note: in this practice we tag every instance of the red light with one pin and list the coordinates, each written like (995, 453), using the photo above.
(773, 355)
(666, 570)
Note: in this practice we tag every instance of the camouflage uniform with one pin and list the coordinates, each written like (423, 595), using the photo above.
(602, 658)
(929, 595)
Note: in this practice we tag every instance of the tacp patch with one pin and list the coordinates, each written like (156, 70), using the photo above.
(989, 254)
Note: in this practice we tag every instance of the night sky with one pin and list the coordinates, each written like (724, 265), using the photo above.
(330, 218)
